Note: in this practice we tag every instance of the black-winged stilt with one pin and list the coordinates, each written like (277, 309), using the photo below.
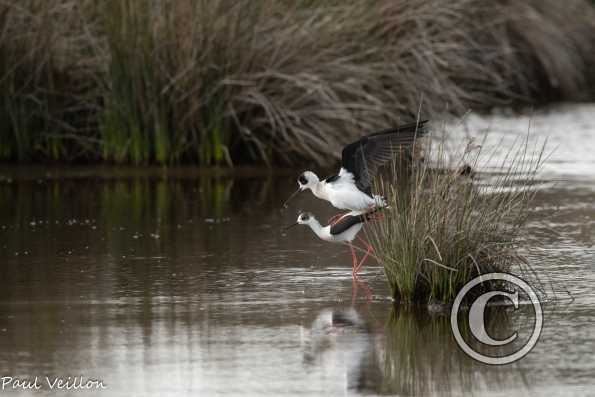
(345, 230)
(351, 188)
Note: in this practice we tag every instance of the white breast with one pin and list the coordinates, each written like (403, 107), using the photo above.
(344, 194)
(347, 196)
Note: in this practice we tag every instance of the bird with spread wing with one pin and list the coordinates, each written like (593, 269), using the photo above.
(351, 188)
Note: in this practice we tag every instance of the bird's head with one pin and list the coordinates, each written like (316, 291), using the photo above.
(306, 180)
(304, 218)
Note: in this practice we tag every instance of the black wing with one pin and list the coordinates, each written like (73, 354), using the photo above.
(347, 221)
(363, 158)
(331, 178)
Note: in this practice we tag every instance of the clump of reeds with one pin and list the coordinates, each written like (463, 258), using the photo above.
(444, 228)
(270, 82)
(44, 84)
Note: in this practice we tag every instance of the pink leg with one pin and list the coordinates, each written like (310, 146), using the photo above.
(377, 217)
(335, 219)
(368, 251)
(354, 289)
(361, 264)
(354, 259)
(364, 242)
(368, 292)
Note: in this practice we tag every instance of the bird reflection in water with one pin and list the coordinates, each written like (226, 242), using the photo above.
(341, 344)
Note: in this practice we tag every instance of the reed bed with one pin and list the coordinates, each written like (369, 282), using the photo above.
(269, 82)
(443, 228)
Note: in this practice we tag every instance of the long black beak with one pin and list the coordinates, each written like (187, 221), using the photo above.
(290, 226)
(291, 197)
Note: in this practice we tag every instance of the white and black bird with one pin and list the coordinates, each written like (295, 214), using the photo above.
(351, 188)
(344, 230)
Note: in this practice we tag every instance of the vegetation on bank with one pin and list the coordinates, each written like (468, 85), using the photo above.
(443, 228)
(273, 82)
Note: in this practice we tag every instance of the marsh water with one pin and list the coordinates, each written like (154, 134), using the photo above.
(177, 282)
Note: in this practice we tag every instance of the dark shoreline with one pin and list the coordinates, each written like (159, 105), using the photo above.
(136, 83)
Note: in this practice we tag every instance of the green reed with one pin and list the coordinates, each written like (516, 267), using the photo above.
(270, 82)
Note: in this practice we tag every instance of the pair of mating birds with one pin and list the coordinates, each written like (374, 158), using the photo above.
(351, 188)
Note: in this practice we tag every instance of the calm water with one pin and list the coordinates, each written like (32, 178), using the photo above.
(177, 283)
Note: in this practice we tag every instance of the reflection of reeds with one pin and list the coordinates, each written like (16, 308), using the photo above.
(144, 204)
(442, 228)
(421, 357)
(126, 224)
(268, 81)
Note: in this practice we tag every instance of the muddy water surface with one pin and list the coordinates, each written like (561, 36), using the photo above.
(178, 283)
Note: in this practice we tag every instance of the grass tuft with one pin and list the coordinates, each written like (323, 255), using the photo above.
(271, 82)
(443, 229)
